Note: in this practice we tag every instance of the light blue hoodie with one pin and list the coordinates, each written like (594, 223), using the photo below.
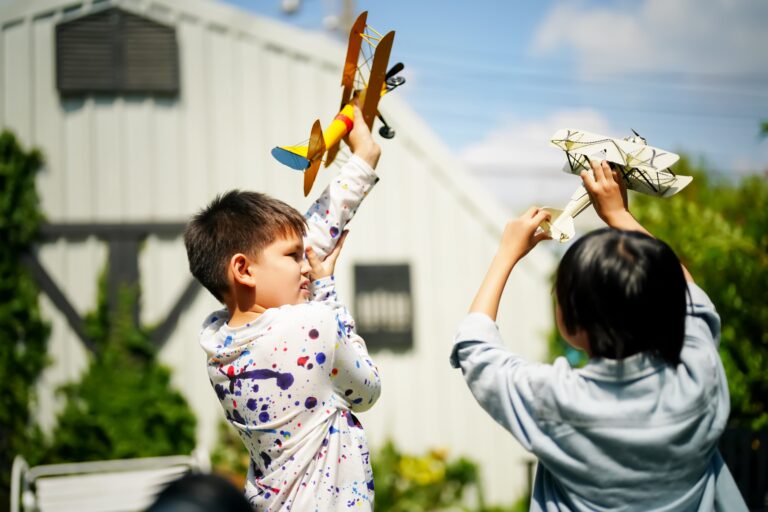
(635, 434)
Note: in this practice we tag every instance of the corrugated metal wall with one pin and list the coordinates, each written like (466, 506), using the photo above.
(248, 84)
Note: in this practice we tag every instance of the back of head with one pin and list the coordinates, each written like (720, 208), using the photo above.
(200, 493)
(627, 291)
(236, 222)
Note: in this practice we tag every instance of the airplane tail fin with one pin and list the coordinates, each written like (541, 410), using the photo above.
(304, 158)
(561, 227)
(294, 157)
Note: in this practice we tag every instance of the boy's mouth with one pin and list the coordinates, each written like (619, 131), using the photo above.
(305, 285)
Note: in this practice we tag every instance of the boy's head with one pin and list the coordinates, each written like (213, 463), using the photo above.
(622, 292)
(249, 238)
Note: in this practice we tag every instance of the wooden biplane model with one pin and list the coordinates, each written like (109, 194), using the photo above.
(363, 40)
(644, 169)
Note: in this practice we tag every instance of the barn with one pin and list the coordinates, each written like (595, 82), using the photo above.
(135, 145)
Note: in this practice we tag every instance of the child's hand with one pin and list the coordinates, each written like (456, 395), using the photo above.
(522, 234)
(320, 269)
(608, 192)
(361, 141)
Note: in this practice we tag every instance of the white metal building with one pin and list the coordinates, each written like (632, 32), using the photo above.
(246, 84)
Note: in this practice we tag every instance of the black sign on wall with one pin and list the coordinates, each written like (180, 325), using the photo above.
(383, 306)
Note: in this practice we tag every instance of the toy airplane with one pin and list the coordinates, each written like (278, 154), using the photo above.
(644, 168)
(356, 88)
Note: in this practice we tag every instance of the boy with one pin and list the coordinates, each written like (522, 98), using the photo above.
(637, 427)
(283, 357)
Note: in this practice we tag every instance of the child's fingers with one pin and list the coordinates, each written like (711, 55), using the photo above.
(541, 216)
(541, 235)
(595, 166)
(588, 179)
(334, 255)
(340, 242)
(358, 121)
(312, 258)
(599, 168)
(530, 212)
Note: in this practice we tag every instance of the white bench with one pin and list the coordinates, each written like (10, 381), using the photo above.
(128, 485)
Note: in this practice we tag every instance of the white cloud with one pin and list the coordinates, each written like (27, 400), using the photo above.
(702, 36)
(516, 161)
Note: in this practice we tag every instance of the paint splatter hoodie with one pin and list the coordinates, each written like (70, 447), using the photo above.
(291, 381)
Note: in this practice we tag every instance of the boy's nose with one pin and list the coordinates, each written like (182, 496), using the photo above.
(305, 268)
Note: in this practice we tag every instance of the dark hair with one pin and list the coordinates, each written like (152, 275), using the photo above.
(627, 291)
(244, 222)
(197, 492)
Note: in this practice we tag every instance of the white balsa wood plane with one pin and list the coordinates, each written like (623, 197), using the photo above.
(644, 168)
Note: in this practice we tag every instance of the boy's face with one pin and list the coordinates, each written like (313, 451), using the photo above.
(282, 273)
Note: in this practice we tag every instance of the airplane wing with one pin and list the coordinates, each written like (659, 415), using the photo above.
(365, 74)
(645, 168)
(354, 66)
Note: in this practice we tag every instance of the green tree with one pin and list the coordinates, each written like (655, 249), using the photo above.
(124, 406)
(24, 333)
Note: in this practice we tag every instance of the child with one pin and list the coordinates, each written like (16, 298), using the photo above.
(637, 427)
(283, 357)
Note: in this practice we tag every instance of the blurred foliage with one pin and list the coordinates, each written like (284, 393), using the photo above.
(407, 483)
(404, 483)
(429, 482)
(124, 406)
(23, 332)
(764, 128)
(719, 229)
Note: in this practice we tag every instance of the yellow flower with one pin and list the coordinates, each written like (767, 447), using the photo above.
(422, 470)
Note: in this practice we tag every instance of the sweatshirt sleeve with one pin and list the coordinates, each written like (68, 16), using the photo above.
(324, 290)
(330, 213)
(702, 321)
(355, 376)
(499, 379)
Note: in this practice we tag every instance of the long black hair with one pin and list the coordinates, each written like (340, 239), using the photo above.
(627, 291)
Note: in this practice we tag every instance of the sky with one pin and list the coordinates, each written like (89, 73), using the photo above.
(496, 78)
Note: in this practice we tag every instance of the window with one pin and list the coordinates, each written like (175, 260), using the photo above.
(384, 306)
(114, 51)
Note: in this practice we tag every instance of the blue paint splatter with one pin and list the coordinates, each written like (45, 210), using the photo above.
(310, 402)
(283, 380)
(320, 358)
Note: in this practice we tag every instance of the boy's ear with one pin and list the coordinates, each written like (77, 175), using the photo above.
(240, 270)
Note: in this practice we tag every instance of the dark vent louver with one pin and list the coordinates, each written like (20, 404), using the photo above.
(114, 51)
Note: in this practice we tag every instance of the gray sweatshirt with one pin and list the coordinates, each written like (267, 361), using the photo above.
(635, 434)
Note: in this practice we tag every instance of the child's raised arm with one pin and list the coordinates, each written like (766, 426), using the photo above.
(337, 204)
(520, 236)
(608, 192)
